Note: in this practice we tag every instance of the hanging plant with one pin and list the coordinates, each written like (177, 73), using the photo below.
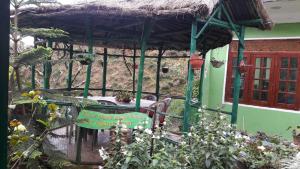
(165, 69)
(85, 58)
(216, 63)
(196, 62)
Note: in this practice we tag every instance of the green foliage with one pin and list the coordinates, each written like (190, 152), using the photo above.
(33, 56)
(45, 33)
(195, 89)
(211, 144)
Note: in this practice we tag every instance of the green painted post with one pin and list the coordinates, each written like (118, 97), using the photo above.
(133, 74)
(147, 31)
(187, 106)
(200, 100)
(158, 73)
(47, 69)
(4, 60)
(237, 80)
(33, 69)
(104, 72)
(70, 69)
(86, 87)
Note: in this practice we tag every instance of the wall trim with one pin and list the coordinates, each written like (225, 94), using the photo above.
(252, 106)
(265, 108)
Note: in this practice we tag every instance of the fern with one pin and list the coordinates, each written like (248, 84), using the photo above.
(33, 56)
(45, 33)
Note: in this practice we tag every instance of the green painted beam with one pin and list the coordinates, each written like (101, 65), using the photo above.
(252, 22)
(237, 80)
(33, 70)
(147, 31)
(197, 35)
(70, 69)
(160, 53)
(4, 60)
(187, 106)
(200, 96)
(47, 69)
(104, 72)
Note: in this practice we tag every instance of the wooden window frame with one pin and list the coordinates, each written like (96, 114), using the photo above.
(273, 87)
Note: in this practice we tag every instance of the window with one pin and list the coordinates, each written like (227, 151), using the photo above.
(272, 79)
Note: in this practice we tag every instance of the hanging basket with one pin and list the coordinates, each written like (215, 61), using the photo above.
(165, 69)
(216, 63)
(85, 58)
(196, 62)
(243, 67)
(135, 66)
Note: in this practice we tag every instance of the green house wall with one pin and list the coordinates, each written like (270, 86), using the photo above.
(251, 118)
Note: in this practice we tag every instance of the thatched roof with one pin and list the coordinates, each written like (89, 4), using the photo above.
(119, 23)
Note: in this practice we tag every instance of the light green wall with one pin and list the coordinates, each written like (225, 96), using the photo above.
(252, 119)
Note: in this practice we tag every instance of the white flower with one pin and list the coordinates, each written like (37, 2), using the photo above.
(140, 127)
(124, 152)
(118, 140)
(146, 122)
(103, 154)
(31, 92)
(183, 143)
(156, 137)
(25, 153)
(124, 126)
(20, 127)
(148, 131)
(262, 148)
(164, 123)
(189, 134)
(138, 139)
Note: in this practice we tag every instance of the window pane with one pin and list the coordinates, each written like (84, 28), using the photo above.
(283, 74)
(257, 73)
(265, 85)
(282, 86)
(293, 74)
(266, 62)
(256, 95)
(292, 87)
(294, 62)
(256, 84)
(257, 62)
(284, 63)
(264, 96)
(286, 98)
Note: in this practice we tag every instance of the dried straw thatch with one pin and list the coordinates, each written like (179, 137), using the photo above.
(119, 23)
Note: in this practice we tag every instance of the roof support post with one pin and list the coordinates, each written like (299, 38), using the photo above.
(86, 87)
(4, 60)
(147, 31)
(134, 66)
(160, 53)
(70, 69)
(47, 68)
(104, 72)
(237, 80)
(201, 81)
(187, 106)
(33, 69)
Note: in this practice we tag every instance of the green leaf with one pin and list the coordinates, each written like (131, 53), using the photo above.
(46, 124)
(35, 154)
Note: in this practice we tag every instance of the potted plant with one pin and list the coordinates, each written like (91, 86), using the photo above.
(216, 63)
(84, 58)
(165, 69)
(196, 62)
(124, 96)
